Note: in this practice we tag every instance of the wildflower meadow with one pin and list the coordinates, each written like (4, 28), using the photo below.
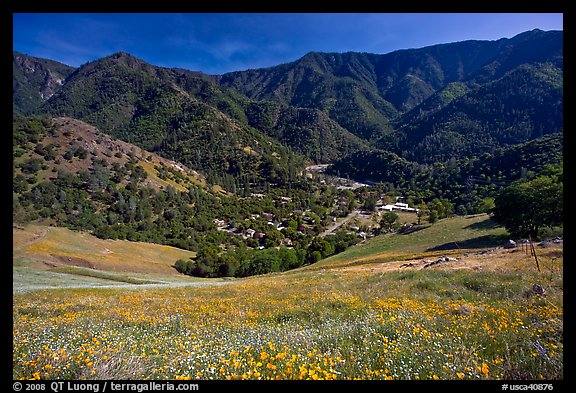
(329, 324)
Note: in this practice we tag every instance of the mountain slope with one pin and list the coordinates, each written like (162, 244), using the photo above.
(462, 181)
(307, 131)
(523, 104)
(342, 85)
(180, 113)
(427, 105)
(531, 47)
(173, 113)
(364, 92)
(34, 81)
(66, 145)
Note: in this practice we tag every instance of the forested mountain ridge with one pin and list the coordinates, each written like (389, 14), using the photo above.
(426, 105)
(495, 168)
(524, 104)
(150, 105)
(173, 113)
(308, 131)
(364, 92)
(531, 47)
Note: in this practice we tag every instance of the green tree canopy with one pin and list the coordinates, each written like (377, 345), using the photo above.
(390, 221)
(527, 206)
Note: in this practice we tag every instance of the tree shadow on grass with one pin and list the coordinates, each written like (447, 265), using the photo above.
(485, 241)
(484, 225)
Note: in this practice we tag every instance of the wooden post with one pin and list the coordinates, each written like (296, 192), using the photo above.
(524, 248)
(533, 250)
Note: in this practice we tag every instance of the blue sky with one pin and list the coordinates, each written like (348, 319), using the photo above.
(220, 43)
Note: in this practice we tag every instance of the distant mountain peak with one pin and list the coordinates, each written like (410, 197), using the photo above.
(122, 54)
(363, 97)
(536, 34)
(127, 59)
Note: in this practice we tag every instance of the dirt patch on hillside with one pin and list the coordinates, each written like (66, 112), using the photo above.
(73, 261)
(486, 259)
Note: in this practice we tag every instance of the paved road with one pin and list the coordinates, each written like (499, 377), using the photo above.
(340, 223)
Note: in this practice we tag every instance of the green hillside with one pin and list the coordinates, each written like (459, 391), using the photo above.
(524, 104)
(427, 105)
(217, 160)
(367, 93)
(448, 235)
(464, 181)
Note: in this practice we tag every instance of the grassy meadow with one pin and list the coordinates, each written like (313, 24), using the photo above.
(478, 317)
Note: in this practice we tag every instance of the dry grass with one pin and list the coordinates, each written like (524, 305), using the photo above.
(154, 179)
(498, 259)
(60, 246)
(117, 367)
